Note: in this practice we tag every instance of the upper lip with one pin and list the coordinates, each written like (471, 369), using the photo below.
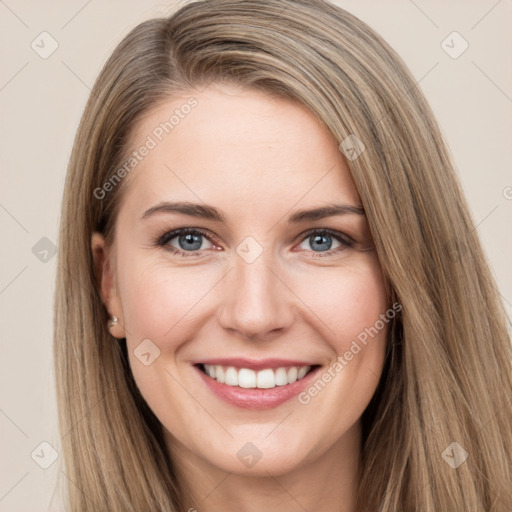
(253, 364)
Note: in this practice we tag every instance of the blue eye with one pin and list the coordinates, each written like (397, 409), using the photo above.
(189, 241)
(321, 240)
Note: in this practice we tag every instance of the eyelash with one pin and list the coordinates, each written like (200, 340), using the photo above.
(162, 241)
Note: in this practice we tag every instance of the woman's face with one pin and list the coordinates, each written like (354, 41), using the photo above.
(258, 290)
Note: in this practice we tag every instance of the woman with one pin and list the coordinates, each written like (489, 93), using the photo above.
(270, 292)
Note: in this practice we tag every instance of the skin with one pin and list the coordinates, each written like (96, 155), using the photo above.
(258, 159)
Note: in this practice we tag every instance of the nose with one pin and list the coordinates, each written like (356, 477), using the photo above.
(256, 302)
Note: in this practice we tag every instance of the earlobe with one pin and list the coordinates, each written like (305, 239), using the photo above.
(105, 281)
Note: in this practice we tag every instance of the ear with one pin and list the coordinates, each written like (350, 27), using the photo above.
(106, 282)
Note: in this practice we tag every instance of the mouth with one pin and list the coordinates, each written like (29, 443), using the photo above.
(256, 388)
(266, 378)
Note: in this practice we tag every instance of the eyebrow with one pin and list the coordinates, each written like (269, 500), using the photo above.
(210, 212)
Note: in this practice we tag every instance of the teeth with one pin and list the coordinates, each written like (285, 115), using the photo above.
(266, 379)
(292, 374)
(281, 378)
(246, 378)
(300, 374)
(263, 379)
(211, 371)
(231, 377)
(220, 374)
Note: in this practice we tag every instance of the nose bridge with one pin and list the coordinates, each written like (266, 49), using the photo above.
(255, 301)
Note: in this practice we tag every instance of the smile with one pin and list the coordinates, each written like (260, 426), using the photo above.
(266, 378)
(256, 384)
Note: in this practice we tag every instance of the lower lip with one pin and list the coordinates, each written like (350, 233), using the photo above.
(257, 398)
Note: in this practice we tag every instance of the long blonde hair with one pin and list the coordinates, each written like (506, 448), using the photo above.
(447, 377)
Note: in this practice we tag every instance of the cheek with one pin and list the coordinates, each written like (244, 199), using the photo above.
(346, 300)
(159, 303)
(157, 298)
(351, 312)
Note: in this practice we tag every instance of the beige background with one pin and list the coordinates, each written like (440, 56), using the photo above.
(41, 101)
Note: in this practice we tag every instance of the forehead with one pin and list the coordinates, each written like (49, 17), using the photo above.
(238, 148)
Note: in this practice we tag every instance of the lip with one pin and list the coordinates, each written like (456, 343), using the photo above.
(252, 364)
(256, 398)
